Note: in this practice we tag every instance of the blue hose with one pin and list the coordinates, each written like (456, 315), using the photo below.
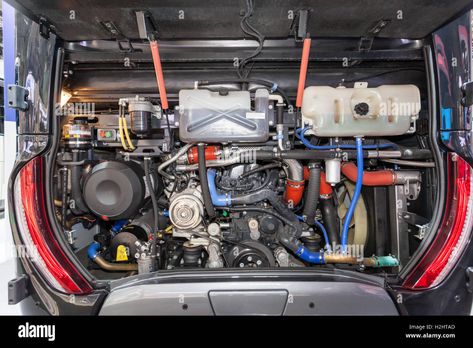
(218, 199)
(324, 231)
(300, 134)
(118, 225)
(94, 250)
(310, 256)
(356, 194)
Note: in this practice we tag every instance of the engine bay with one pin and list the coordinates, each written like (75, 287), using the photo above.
(241, 179)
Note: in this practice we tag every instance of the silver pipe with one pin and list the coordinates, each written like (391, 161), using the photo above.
(384, 154)
(280, 136)
(409, 163)
(402, 177)
(174, 158)
(294, 169)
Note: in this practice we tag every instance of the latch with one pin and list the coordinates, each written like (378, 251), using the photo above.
(467, 94)
(469, 279)
(18, 97)
(45, 28)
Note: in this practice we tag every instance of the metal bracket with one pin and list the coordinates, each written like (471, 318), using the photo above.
(145, 151)
(413, 219)
(416, 220)
(366, 41)
(18, 289)
(124, 43)
(422, 231)
(412, 190)
(18, 97)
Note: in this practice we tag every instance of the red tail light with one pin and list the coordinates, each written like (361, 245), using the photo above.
(454, 233)
(40, 244)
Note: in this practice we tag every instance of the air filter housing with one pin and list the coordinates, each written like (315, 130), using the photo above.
(115, 190)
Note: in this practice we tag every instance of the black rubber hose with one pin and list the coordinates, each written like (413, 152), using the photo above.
(313, 191)
(330, 218)
(315, 155)
(154, 250)
(76, 192)
(204, 184)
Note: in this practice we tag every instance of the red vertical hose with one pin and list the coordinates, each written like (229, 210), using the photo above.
(303, 71)
(159, 74)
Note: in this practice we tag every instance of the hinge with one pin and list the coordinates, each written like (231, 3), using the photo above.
(147, 26)
(18, 97)
(299, 26)
(18, 289)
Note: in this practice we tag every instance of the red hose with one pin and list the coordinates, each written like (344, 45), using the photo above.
(303, 71)
(294, 192)
(325, 188)
(211, 153)
(159, 74)
(374, 178)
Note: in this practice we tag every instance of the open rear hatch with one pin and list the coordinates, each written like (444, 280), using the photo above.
(76, 20)
(130, 193)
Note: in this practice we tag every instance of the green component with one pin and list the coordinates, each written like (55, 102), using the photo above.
(385, 261)
(225, 213)
(108, 134)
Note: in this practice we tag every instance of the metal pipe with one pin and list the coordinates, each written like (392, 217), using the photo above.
(174, 158)
(409, 163)
(93, 252)
(108, 266)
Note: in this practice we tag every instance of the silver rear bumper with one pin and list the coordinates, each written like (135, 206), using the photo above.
(250, 293)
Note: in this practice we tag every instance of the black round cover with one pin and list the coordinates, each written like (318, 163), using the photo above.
(114, 190)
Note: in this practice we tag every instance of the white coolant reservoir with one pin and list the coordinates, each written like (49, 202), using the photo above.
(360, 111)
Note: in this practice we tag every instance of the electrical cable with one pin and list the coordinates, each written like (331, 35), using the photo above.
(248, 29)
